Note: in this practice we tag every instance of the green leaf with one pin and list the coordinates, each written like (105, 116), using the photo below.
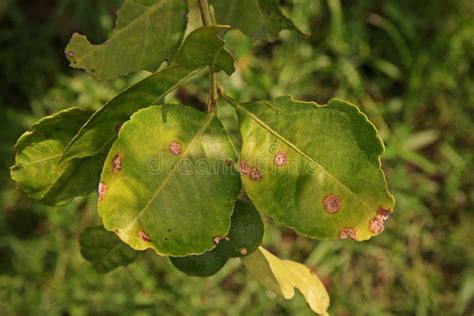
(283, 276)
(204, 47)
(38, 151)
(314, 168)
(98, 134)
(105, 250)
(170, 185)
(147, 32)
(245, 234)
(204, 265)
(258, 19)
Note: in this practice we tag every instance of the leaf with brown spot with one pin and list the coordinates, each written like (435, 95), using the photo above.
(177, 205)
(332, 178)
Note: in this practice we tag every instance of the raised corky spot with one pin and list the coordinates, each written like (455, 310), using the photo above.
(255, 174)
(102, 190)
(347, 232)
(144, 236)
(332, 203)
(175, 148)
(117, 164)
(280, 159)
(244, 168)
(217, 239)
(377, 224)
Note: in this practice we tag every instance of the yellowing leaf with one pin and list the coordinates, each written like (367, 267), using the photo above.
(283, 276)
(315, 168)
(170, 184)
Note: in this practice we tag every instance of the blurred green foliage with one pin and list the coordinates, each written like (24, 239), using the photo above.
(408, 64)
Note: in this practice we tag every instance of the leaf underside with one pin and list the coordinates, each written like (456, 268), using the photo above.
(104, 250)
(204, 47)
(36, 170)
(283, 276)
(170, 185)
(258, 19)
(314, 168)
(147, 32)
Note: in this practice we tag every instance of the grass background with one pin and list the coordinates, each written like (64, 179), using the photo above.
(408, 64)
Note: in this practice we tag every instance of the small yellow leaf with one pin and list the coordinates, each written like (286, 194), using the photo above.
(283, 276)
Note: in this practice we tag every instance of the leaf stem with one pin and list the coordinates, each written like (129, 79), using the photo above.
(208, 19)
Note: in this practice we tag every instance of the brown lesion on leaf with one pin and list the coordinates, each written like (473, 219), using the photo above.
(244, 168)
(102, 190)
(229, 162)
(216, 240)
(332, 203)
(255, 174)
(71, 53)
(377, 224)
(144, 236)
(175, 148)
(347, 232)
(280, 159)
(117, 163)
(243, 251)
(247, 170)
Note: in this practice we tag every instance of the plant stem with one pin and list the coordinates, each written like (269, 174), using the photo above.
(208, 19)
(205, 12)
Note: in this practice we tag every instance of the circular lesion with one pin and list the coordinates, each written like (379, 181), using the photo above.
(332, 203)
(281, 158)
(175, 148)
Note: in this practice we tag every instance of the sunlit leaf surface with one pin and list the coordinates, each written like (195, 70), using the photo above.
(314, 168)
(169, 181)
(283, 276)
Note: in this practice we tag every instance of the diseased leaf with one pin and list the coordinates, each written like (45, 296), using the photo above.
(147, 32)
(314, 168)
(105, 250)
(98, 134)
(258, 19)
(245, 234)
(170, 185)
(228, 116)
(38, 151)
(204, 47)
(283, 276)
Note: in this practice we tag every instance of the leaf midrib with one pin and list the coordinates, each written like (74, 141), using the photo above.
(295, 148)
(109, 252)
